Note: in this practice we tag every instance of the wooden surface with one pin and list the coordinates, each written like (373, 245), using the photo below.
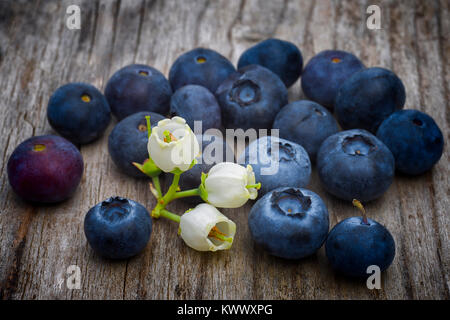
(38, 53)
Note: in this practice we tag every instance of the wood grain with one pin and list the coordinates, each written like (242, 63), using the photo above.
(38, 53)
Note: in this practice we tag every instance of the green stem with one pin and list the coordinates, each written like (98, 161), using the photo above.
(167, 197)
(167, 136)
(172, 189)
(256, 186)
(169, 215)
(215, 233)
(149, 127)
(186, 193)
(157, 185)
(223, 238)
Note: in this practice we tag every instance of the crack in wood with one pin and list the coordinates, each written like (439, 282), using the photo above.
(9, 284)
(141, 22)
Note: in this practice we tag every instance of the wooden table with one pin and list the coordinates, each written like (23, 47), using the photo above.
(38, 53)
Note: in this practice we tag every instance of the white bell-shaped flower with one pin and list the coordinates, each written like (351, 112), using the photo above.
(172, 145)
(205, 228)
(229, 185)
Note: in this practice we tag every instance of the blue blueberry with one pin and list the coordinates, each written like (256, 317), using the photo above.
(136, 88)
(325, 73)
(214, 150)
(45, 169)
(127, 142)
(78, 112)
(306, 123)
(290, 223)
(118, 228)
(277, 163)
(353, 245)
(251, 98)
(414, 139)
(201, 66)
(354, 164)
(368, 97)
(281, 57)
(196, 103)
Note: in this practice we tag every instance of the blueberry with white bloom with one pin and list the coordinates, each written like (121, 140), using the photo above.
(277, 163)
(290, 223)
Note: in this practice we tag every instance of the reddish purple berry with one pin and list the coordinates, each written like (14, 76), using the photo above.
(45, 169)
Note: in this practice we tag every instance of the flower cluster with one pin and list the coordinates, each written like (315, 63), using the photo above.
(172, 148)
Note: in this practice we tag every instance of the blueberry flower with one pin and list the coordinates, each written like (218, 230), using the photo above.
(205, 228)
(229, 185)
(172, 145)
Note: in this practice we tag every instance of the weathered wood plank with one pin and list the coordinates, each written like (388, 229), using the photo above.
(38, 54)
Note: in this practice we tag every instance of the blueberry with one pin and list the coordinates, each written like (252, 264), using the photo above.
(353, 245)
(325, 73)
(45, 169)
(78, 112)
(290, 223)
(306, 123)
(128, 141)
(201, 66)
(214, 150)
(277, 163)
(118, 228)
(354, 164)
(251, 98)
(368, 97)
(196, 103)
(414, 139)
(136, 88)
(281, 57)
